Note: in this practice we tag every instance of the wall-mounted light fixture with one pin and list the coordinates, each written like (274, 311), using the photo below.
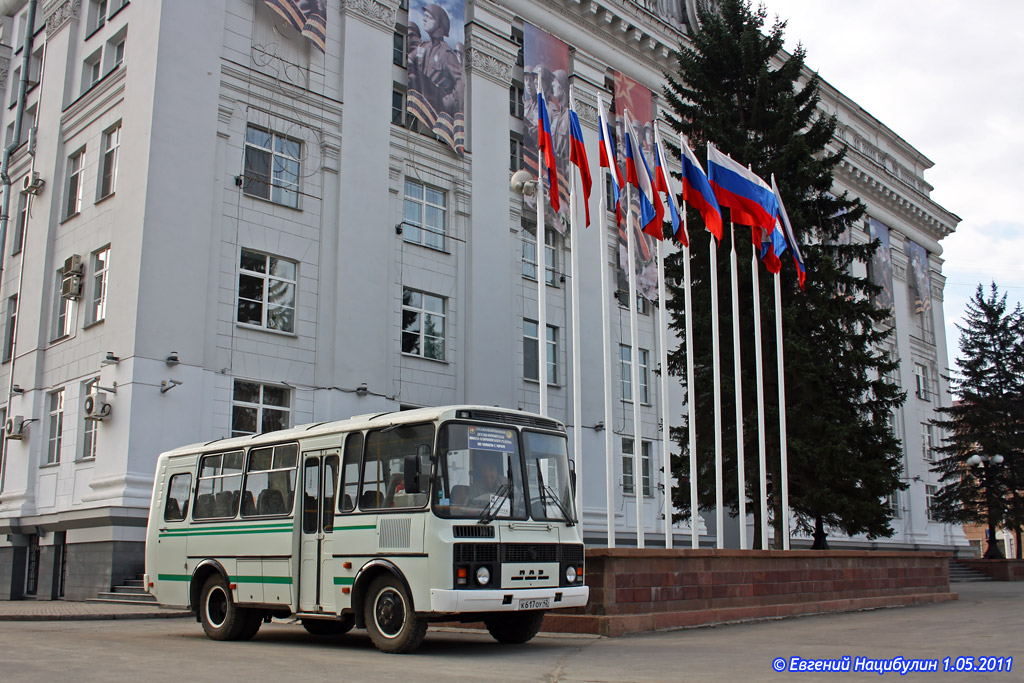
(362, 390)
(172, 359)
(16, 389)
(110, 359)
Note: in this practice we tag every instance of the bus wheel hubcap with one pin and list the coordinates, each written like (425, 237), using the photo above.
(389, 612)
(216, 607)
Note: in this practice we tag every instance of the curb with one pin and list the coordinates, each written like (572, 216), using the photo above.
(94, 617)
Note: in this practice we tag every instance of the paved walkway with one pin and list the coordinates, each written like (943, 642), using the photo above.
(66, 610)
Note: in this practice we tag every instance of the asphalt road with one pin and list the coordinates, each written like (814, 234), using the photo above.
(988, 620)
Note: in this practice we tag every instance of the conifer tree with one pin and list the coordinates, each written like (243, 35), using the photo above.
(736, 88)
(987, 421)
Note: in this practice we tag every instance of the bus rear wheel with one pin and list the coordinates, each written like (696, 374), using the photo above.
(221, 618)
(514, 627)
(390, 620)
(329, 627)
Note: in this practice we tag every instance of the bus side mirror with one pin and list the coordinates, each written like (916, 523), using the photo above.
(572, 476)
(412, 474)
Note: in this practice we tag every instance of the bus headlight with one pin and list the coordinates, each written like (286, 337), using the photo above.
(483, 576)
(570, 574)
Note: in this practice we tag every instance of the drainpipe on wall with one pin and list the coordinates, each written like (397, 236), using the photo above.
(5, 180)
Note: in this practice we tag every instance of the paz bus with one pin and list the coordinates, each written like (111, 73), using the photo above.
(385, 522)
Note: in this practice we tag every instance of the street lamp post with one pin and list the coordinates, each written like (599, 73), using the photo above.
(992, 552)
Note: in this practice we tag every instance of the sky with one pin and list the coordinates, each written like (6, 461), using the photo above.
(947, 77)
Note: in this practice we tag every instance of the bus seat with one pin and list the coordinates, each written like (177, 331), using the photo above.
(248, 504)
(370, 500)
(172, 511)
(223, 504)
(271, 502)
(346, 503)
(204, 506)
(460, 494)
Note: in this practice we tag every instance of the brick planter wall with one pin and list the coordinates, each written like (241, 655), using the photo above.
(1000, 570)
(633, 590)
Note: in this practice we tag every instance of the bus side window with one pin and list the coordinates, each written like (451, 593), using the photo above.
(176, 508)
(270, 480)
(350, 472)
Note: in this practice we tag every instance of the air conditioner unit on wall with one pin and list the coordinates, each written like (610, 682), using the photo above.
(32, 184)
(96, 407)
(72, 264)
(14, 428)
(71, 287)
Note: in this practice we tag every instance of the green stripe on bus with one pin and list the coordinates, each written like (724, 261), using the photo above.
(344, 580)
(204, 532)
(173, 577)
(350, 528)
(261, 579)
(231, 527)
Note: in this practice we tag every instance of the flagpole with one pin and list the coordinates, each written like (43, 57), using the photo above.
(783, 454)
(717, 369)
(634, 368)
(665, 458)
(690, 393)
(542, 294)
(737, 365)
(761, 455)
(609, 459)
(577, 408)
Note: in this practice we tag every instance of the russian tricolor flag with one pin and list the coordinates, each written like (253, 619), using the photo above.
(578, 156)
(697, 191)
(546, 147)
(661, 185)
(787, 227)
(639, 176)
(751, 199)
(608, 152)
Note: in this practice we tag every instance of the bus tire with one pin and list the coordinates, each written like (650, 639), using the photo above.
(254, 619)
(221, 618)
(514, 628)
(329, 627)
(390, 620)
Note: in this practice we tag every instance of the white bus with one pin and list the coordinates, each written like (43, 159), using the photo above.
(384, 522)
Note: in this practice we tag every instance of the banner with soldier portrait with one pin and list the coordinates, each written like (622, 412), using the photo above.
(546, 69)
(921, 277)
(436, 95)
(881, 263)
(630, 96)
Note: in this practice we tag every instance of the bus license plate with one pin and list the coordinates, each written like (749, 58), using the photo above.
(535, 603)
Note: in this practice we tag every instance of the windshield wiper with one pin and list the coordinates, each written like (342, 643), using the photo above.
(497, 500)
(546, 492)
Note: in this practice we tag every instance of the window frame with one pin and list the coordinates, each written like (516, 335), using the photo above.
(11, 332)
(74, 185)
(928, 441)
(63, 309)
(90, 428)
(55, 425)
(100, 285)
(931, 491)
(109, 158)
(274, 468)
(170, 489)
(922, 381)
(272, 182)
(646, 450)
(422, 313)
(268, 279)
(529, 256)
(220, 476)
(626, 374)
(261, 407)
(551, 361)
(20, 224)
(416, 231)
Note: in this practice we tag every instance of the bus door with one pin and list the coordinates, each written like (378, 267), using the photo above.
(319, 492)
(171, 571)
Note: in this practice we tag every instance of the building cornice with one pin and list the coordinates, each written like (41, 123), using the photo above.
(488, 59)
(381, 15)
(59, 13)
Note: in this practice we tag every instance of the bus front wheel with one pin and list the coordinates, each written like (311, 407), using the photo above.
(222, 619)
(390, 621)
(514, 627)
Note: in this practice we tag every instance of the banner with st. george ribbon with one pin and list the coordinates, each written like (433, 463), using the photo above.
(308, 17)
(436, 95)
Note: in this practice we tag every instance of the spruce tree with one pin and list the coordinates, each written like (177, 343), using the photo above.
(987, 421)
(736, 88)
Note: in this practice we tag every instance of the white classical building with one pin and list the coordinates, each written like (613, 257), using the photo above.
(150, 279)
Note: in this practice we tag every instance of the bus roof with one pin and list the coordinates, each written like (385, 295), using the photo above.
(367, 421)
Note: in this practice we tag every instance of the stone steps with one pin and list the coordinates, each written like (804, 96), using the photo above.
(959, 573)
(131, 592)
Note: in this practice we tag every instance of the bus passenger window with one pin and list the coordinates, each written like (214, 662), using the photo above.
(176, 508)
(350, 472)
(218, 487)
(270, 480)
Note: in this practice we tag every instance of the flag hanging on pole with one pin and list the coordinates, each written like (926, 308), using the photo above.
(607, 158)
(772, 245)
(547, 148)
(751, 199)
(697, 190)
(639, 176)
(661, 186)
(794, 246)
(578, 155)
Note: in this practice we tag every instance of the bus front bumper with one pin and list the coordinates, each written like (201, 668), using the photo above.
(454, 601)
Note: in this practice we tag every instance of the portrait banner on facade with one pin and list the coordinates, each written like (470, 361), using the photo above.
(921, 277)
(436, 95)
(630, 96)
(546, 69)
(308, 17)
(881, 263)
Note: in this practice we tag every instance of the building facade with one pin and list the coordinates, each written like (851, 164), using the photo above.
(216, 229)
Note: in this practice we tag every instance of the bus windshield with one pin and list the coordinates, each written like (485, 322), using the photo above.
(547, 472)
(481, 473)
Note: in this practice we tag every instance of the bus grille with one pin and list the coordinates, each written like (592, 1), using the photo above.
(473, 531)
(515, 419)
(518, 552)
(476, 552)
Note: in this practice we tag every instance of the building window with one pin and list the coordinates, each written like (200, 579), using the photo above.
(97, 15)
(92, 70)
(56, 421)
(626, 372)
(531, 354)
(930, 491)
(643, 306)
(397, 107)
(117, 50)
(927, 441)
(259, 408)
(266, 291)
(517, 38)
(74, 196)
(398, 49)
(100, 268)
(627, 467)
(89, 427)
(921, 381)
(893, 503)
(272, 166)
(108, 174)
(61, 310)
(530, 256)
(425, 215)
(515, 101)
(12, 326)
(515, 154)
(20, 223)
(423, 319)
